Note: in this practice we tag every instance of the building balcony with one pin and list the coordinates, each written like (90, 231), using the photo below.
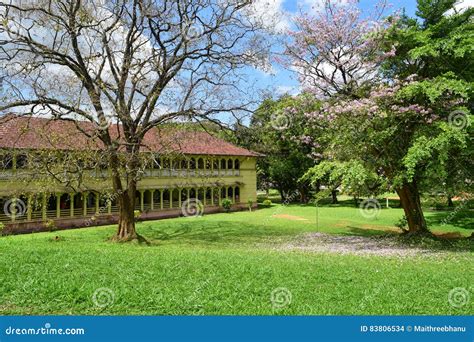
(8, 175)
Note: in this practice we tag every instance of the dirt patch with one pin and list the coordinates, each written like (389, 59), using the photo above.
(347, 244)
(347, 224)
(452, 235)
(342, 224)
(383, 228)
(290, 217)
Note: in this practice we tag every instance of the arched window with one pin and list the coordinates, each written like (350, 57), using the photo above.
(90, 200)
(21, 161)
(201, 164)
(215, 163)
(157, 199)
(103, 164)
(65, 202)
(223, 164)
(166, 198)
(6, 161)
(184, 195)
(192, 163)
(230, 164)
(184, 164)
(237, 164)
(208, 195)
(174, 163)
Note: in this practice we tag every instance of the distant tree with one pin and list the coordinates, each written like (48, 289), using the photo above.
(335, 51)
(352, 177)
(278, 130)
(433, 11)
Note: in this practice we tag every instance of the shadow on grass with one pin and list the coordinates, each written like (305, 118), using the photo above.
(198, 230)
(348, 203)
(463, 219)
(204, 231)
(431, 243)
(357, 231)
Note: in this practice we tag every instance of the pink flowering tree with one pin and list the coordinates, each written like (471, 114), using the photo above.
(401, 141)
(336, 50)
(385, 107)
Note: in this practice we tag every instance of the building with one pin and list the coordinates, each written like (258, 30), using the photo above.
(186, 166)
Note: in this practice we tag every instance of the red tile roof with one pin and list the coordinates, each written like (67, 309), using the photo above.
(26, 132)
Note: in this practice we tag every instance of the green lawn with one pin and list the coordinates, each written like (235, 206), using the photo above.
(225, 264)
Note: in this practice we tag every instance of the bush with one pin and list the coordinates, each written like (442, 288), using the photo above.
(137, 214)
(2, 228)
(250, 203)
(267, 203)
(226, 204)
(402, 224)
(50, 225)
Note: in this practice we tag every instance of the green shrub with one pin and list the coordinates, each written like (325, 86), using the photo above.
(402, 224)
(226, 204)
(2, 228)
(50, 225)
(250, 203)
(137, 214)
(267, 203)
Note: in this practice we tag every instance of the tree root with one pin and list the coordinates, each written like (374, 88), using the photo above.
(139, 238)
(418, 234)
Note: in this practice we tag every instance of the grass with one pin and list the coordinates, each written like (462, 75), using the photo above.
(224, 264)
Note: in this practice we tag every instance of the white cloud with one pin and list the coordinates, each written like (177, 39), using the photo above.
(464, 4)
(316, 5)
(461, 6)
(271, 14)
(282, 90)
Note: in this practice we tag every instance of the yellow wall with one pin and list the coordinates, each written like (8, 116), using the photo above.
(11, 184)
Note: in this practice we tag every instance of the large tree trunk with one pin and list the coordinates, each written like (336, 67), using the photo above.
(356, 201)
(126, 225)
(410, 201)
(303, 195)
(126, 201)
(334, 197)
(450, 201)
(282, 195)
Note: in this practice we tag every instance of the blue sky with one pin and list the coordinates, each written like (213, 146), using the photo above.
(283, 80)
